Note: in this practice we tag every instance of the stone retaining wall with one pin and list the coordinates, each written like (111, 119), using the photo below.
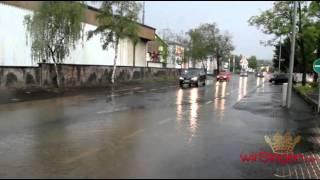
(78, 75)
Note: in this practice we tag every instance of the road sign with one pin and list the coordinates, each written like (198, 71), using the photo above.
(316, 68)
(316, 65)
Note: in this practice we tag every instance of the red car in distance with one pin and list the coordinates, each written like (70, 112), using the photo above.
(224, 76)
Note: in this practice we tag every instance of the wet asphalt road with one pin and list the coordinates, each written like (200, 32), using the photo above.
(163, 132)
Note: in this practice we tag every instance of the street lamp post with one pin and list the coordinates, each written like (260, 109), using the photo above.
(234, 64)
(293, 41)
(143, 11)
(280, 55)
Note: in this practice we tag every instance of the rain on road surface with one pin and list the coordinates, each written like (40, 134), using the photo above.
(163, 132)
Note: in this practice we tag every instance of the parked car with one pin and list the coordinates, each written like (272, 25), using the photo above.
(281, 78)
(243, 74)
(224, 76)
(259, 74)
(193, 77)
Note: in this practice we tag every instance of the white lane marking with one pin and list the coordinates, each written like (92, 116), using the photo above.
(82, 155)
(164, 121)
(302, 173)
(209, 102)
(102, 112)
(133, 134)
(115, 95)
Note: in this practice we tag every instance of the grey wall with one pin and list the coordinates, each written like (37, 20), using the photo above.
(19, 77)
(78, 75)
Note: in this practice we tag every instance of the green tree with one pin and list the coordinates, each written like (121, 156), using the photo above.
(210, 33)
(223, 48)
(117, 20)
(135, 40)
(252, 62)
(314, 12)
(54, 29)
(198, 47)
(206, 40)
(278, 21)
(236, 63)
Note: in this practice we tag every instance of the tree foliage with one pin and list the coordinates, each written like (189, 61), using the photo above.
(117, 20)
(278, 21)
(54, 30)
(206, 40)
(252, 62)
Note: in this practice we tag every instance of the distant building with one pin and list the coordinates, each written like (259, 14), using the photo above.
(155, 52)
(176, 55)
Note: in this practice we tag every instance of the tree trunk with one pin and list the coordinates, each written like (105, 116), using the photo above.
(55, 66)
(304, 60)
(57, 74)
(218, 64)
(115, 61)
(315, 77)
(204, 66)
(304, 64)
(134, 54)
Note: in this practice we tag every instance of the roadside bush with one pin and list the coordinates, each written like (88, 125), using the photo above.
(306, 89)
(314, 84)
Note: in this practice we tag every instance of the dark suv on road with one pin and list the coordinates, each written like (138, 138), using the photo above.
(193, 77)
(281, 78)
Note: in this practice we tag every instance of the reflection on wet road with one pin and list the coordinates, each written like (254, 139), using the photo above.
(167, 133)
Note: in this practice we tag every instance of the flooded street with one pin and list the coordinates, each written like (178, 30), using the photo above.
(164, 132)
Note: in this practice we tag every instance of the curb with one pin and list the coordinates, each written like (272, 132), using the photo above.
(307, 99)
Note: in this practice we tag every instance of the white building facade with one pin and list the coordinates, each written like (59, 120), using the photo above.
(15, 51)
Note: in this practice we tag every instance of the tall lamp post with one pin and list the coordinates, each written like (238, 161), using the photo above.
(293, 41)
(143, 11)
(280, 55)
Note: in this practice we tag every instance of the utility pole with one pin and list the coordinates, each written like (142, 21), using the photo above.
(280, 54)
(143, 11)
(293, 41)
(234, 63)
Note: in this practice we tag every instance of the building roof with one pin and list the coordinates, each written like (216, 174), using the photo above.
(97, 10)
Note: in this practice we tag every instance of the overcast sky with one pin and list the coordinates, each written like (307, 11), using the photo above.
(231, 16)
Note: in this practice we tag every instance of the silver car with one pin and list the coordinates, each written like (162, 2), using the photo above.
(243, 74)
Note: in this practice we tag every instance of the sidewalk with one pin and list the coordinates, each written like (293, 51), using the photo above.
(37, 93)
(300, 120)
(311, 97)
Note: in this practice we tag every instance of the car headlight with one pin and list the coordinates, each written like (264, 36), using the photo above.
(224, 76)
(194, 78)
(181, 78)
